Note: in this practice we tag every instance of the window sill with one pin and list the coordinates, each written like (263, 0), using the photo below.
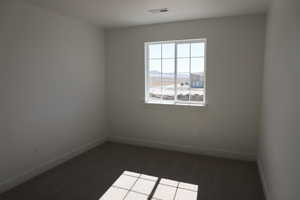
(176, 105)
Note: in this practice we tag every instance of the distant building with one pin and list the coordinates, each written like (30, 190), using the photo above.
(197, 80)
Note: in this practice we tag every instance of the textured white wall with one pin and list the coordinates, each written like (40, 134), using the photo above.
(52, 87)
(228, 126)
(279, 143)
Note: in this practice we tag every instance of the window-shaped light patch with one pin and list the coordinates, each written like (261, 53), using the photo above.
(173, 190)
(131, 186)
(135, 186)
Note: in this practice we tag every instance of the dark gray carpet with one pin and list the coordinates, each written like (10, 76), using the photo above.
(89, 175)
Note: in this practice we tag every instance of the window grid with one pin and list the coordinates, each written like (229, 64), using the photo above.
(176, 70)
(189, 72)
(176, 57)
(161, 73)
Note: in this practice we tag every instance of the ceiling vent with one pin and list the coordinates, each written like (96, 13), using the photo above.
(158, 10)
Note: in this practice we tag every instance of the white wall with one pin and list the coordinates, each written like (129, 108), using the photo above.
(52, 87)
(228, 126)
(279, 143)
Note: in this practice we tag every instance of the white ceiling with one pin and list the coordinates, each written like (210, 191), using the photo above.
(117, 13)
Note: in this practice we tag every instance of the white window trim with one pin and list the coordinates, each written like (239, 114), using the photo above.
(175, 102)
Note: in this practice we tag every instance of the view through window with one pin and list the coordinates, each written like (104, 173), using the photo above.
(175, 72)
(135, 186)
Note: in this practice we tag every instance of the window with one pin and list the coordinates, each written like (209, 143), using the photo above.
(175, 72)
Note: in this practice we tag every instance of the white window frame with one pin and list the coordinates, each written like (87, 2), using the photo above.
(176, 102)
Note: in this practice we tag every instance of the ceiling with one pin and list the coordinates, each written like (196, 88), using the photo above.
(121, 13)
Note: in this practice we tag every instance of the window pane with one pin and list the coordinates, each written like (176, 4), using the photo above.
(197, 95)
(197, 65)
(197, 80)
(168, 50)
(154, 87)
(155, 51)
(168, 79)
(183, 79)
(155, 65)
(197, 49)
(183, 50)
(183, 65)
(168, 66)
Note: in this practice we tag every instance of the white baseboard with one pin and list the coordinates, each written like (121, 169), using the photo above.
(184, 148)
(25, 176)
(263, 179)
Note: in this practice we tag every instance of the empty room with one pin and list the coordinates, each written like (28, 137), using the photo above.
(149, 100)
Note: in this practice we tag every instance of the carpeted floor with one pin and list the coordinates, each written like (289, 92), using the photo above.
(89, 175)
